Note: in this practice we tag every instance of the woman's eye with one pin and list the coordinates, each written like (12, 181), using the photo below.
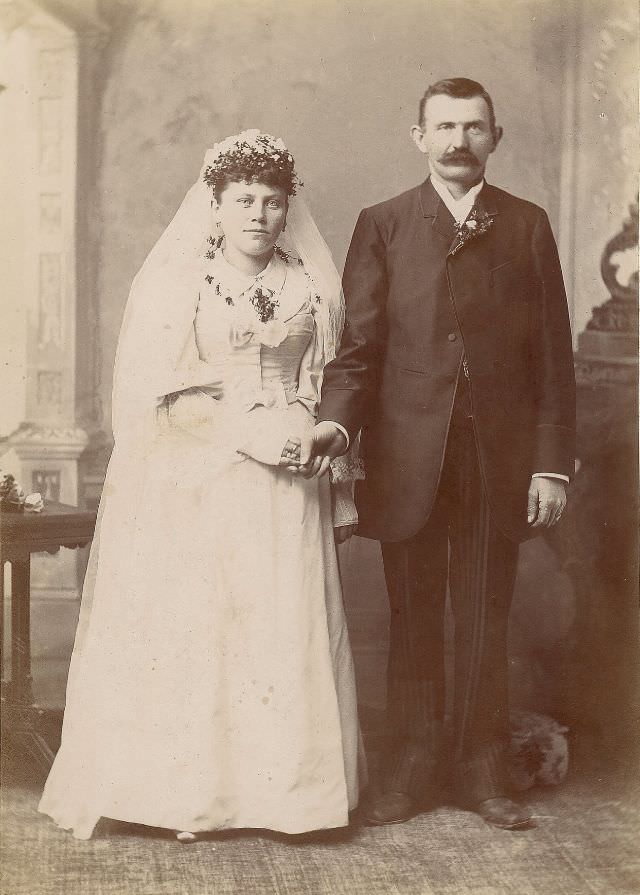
(275, 204)
(246, 202)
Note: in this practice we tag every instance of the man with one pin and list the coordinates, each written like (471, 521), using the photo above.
(456, 364)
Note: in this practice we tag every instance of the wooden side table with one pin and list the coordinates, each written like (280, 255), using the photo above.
(22, 534)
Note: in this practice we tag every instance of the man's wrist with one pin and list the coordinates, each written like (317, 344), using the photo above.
(551, 475)
(341, 429)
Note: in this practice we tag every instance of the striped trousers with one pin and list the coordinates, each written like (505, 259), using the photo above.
(460, 545)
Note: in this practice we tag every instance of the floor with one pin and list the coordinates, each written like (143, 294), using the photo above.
(587, 842)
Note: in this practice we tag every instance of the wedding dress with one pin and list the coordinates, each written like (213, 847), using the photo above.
(212, 683)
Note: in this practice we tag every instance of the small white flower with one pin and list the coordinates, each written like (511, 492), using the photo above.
(472, 224)
(34, 502)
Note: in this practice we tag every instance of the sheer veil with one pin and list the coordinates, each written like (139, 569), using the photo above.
(157, 337)
(157, 332)
(308, 244)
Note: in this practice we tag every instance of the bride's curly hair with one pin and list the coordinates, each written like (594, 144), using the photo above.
(251, 157)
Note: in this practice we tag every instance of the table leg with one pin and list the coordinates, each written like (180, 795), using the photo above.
(1, 618)
(20, 716)
(21, 688)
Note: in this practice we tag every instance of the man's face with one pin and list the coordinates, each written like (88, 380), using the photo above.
(457, 138)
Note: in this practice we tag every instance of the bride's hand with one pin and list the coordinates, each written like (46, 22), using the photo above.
(291, 453)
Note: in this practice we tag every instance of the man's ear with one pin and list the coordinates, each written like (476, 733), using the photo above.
(497, 136)
(417, 135)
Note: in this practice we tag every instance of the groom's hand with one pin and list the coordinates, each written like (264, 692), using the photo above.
(327, 443)
(547, 500)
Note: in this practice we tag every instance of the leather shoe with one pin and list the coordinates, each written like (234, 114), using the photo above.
(392, 807)
(505, 814)
(389, 808)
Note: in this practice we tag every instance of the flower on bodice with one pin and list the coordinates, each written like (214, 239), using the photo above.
(253, 312)
(271, 334)
(265, 304)
(475, 225)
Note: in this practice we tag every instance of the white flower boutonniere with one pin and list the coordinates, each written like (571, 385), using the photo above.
(475, 225)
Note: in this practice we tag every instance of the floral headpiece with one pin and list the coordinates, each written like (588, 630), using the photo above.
(247, 156)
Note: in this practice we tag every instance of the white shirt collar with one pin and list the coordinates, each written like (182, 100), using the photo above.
(459, 208)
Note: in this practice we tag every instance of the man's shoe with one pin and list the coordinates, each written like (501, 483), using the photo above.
(389, 808)
(505, 814)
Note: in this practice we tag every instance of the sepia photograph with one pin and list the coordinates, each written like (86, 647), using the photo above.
(319, 457)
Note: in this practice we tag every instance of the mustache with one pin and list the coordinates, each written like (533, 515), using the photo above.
(459, 156)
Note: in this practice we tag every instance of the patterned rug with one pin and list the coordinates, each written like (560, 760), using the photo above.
(587, 843)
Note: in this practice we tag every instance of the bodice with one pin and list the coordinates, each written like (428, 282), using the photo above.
(254, 357)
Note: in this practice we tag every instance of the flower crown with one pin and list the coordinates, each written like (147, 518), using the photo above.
(247, 156)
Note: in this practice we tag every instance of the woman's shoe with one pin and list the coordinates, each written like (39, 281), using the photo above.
(185, 837)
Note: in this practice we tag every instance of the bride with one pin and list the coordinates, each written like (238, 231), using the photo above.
(211, 684)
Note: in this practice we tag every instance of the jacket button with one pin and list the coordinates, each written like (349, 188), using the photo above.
(452, 337)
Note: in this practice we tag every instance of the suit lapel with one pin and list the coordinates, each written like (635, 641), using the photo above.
(435, 212)
(442, 222)
(491, 248)
(469, 269)
(487, 201)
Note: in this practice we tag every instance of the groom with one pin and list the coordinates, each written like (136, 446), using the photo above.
(456, 364)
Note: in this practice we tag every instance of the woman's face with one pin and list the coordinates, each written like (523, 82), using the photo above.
(252, 216)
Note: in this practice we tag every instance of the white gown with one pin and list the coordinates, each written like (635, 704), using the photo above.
(212, 682)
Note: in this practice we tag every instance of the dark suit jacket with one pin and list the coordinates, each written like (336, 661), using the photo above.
(413, 309)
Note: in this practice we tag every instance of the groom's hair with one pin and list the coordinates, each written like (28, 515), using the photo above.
(458, 88)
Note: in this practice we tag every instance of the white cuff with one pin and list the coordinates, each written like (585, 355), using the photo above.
(342, 429)
(551, 475)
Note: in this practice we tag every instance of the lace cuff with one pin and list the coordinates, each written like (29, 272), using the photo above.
(344, 508)
(347, 468)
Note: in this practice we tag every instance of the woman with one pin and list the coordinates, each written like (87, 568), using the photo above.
(212, 683)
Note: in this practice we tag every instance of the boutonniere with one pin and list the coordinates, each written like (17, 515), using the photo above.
(475, 225)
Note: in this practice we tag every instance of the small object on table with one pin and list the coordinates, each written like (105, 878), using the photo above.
(13, 499)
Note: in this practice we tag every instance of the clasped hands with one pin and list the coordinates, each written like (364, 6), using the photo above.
(547, 497)
(312, 460)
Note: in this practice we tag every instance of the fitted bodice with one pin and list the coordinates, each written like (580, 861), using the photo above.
(250, 362)
(255, 357)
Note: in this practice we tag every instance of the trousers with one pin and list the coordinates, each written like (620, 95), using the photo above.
(460, 546)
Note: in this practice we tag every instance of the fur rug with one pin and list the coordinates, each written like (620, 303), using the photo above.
(539, 751)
